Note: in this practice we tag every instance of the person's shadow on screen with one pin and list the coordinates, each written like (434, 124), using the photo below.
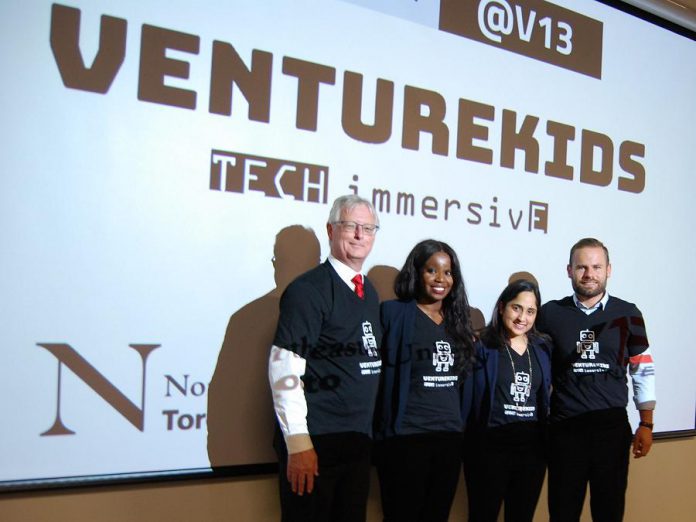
(516, 276)
(240, 408)
(382, 278)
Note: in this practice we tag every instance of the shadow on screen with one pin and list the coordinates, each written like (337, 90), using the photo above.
(240, 409)
(523, 275)
(382, 278)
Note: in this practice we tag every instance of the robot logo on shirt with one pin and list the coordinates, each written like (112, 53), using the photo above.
(587, 346)
(443, 357)
(368, 339)
(521, 388)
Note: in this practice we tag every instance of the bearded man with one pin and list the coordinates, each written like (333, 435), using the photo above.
(598, 340)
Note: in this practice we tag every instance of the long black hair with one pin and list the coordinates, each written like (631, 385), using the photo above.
(494, 334)
(455, 306)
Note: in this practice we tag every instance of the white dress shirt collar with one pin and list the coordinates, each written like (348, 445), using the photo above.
(599, 305)
(345, 272)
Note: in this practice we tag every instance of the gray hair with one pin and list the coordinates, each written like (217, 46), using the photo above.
(349, 202)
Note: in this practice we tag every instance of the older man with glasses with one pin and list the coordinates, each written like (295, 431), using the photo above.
(324, 372)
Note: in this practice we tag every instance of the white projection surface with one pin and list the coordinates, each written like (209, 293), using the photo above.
(158, 156)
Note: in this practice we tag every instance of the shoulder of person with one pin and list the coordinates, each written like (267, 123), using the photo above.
(314, 281)
(550, 310)
(555, 303)
(541, 342)
(396, 305)
(617, 301)
(395, 309)
(482, 350)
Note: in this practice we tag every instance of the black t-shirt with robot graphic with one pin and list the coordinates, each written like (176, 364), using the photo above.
(516, 388)
(591, 352)
(434, 398)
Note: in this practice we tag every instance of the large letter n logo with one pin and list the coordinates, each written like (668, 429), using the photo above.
(67, 356)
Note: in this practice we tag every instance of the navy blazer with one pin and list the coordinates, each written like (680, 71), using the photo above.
(397, 319)
(480, 386)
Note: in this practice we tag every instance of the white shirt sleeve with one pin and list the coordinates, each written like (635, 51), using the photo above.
(285, 369)
(642, 370)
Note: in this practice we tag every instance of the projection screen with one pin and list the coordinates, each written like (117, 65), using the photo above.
(168, 168)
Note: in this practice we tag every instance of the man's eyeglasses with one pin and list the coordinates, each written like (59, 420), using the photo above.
(351, 227)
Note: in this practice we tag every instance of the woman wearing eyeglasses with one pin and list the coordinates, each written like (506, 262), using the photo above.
(507, 400)
(427, 343)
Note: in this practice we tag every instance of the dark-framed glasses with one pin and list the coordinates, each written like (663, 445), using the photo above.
(351, 226)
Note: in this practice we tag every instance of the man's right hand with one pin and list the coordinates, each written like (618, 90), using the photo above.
(302, 468)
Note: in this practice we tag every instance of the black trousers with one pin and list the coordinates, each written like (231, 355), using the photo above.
(506, 465)
(592, 448)
(418, 476)
(341, 489)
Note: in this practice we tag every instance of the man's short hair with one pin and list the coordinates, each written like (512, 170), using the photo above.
(349, 202)
(585, 243)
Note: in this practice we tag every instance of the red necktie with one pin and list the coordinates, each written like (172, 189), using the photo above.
(359, 291)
